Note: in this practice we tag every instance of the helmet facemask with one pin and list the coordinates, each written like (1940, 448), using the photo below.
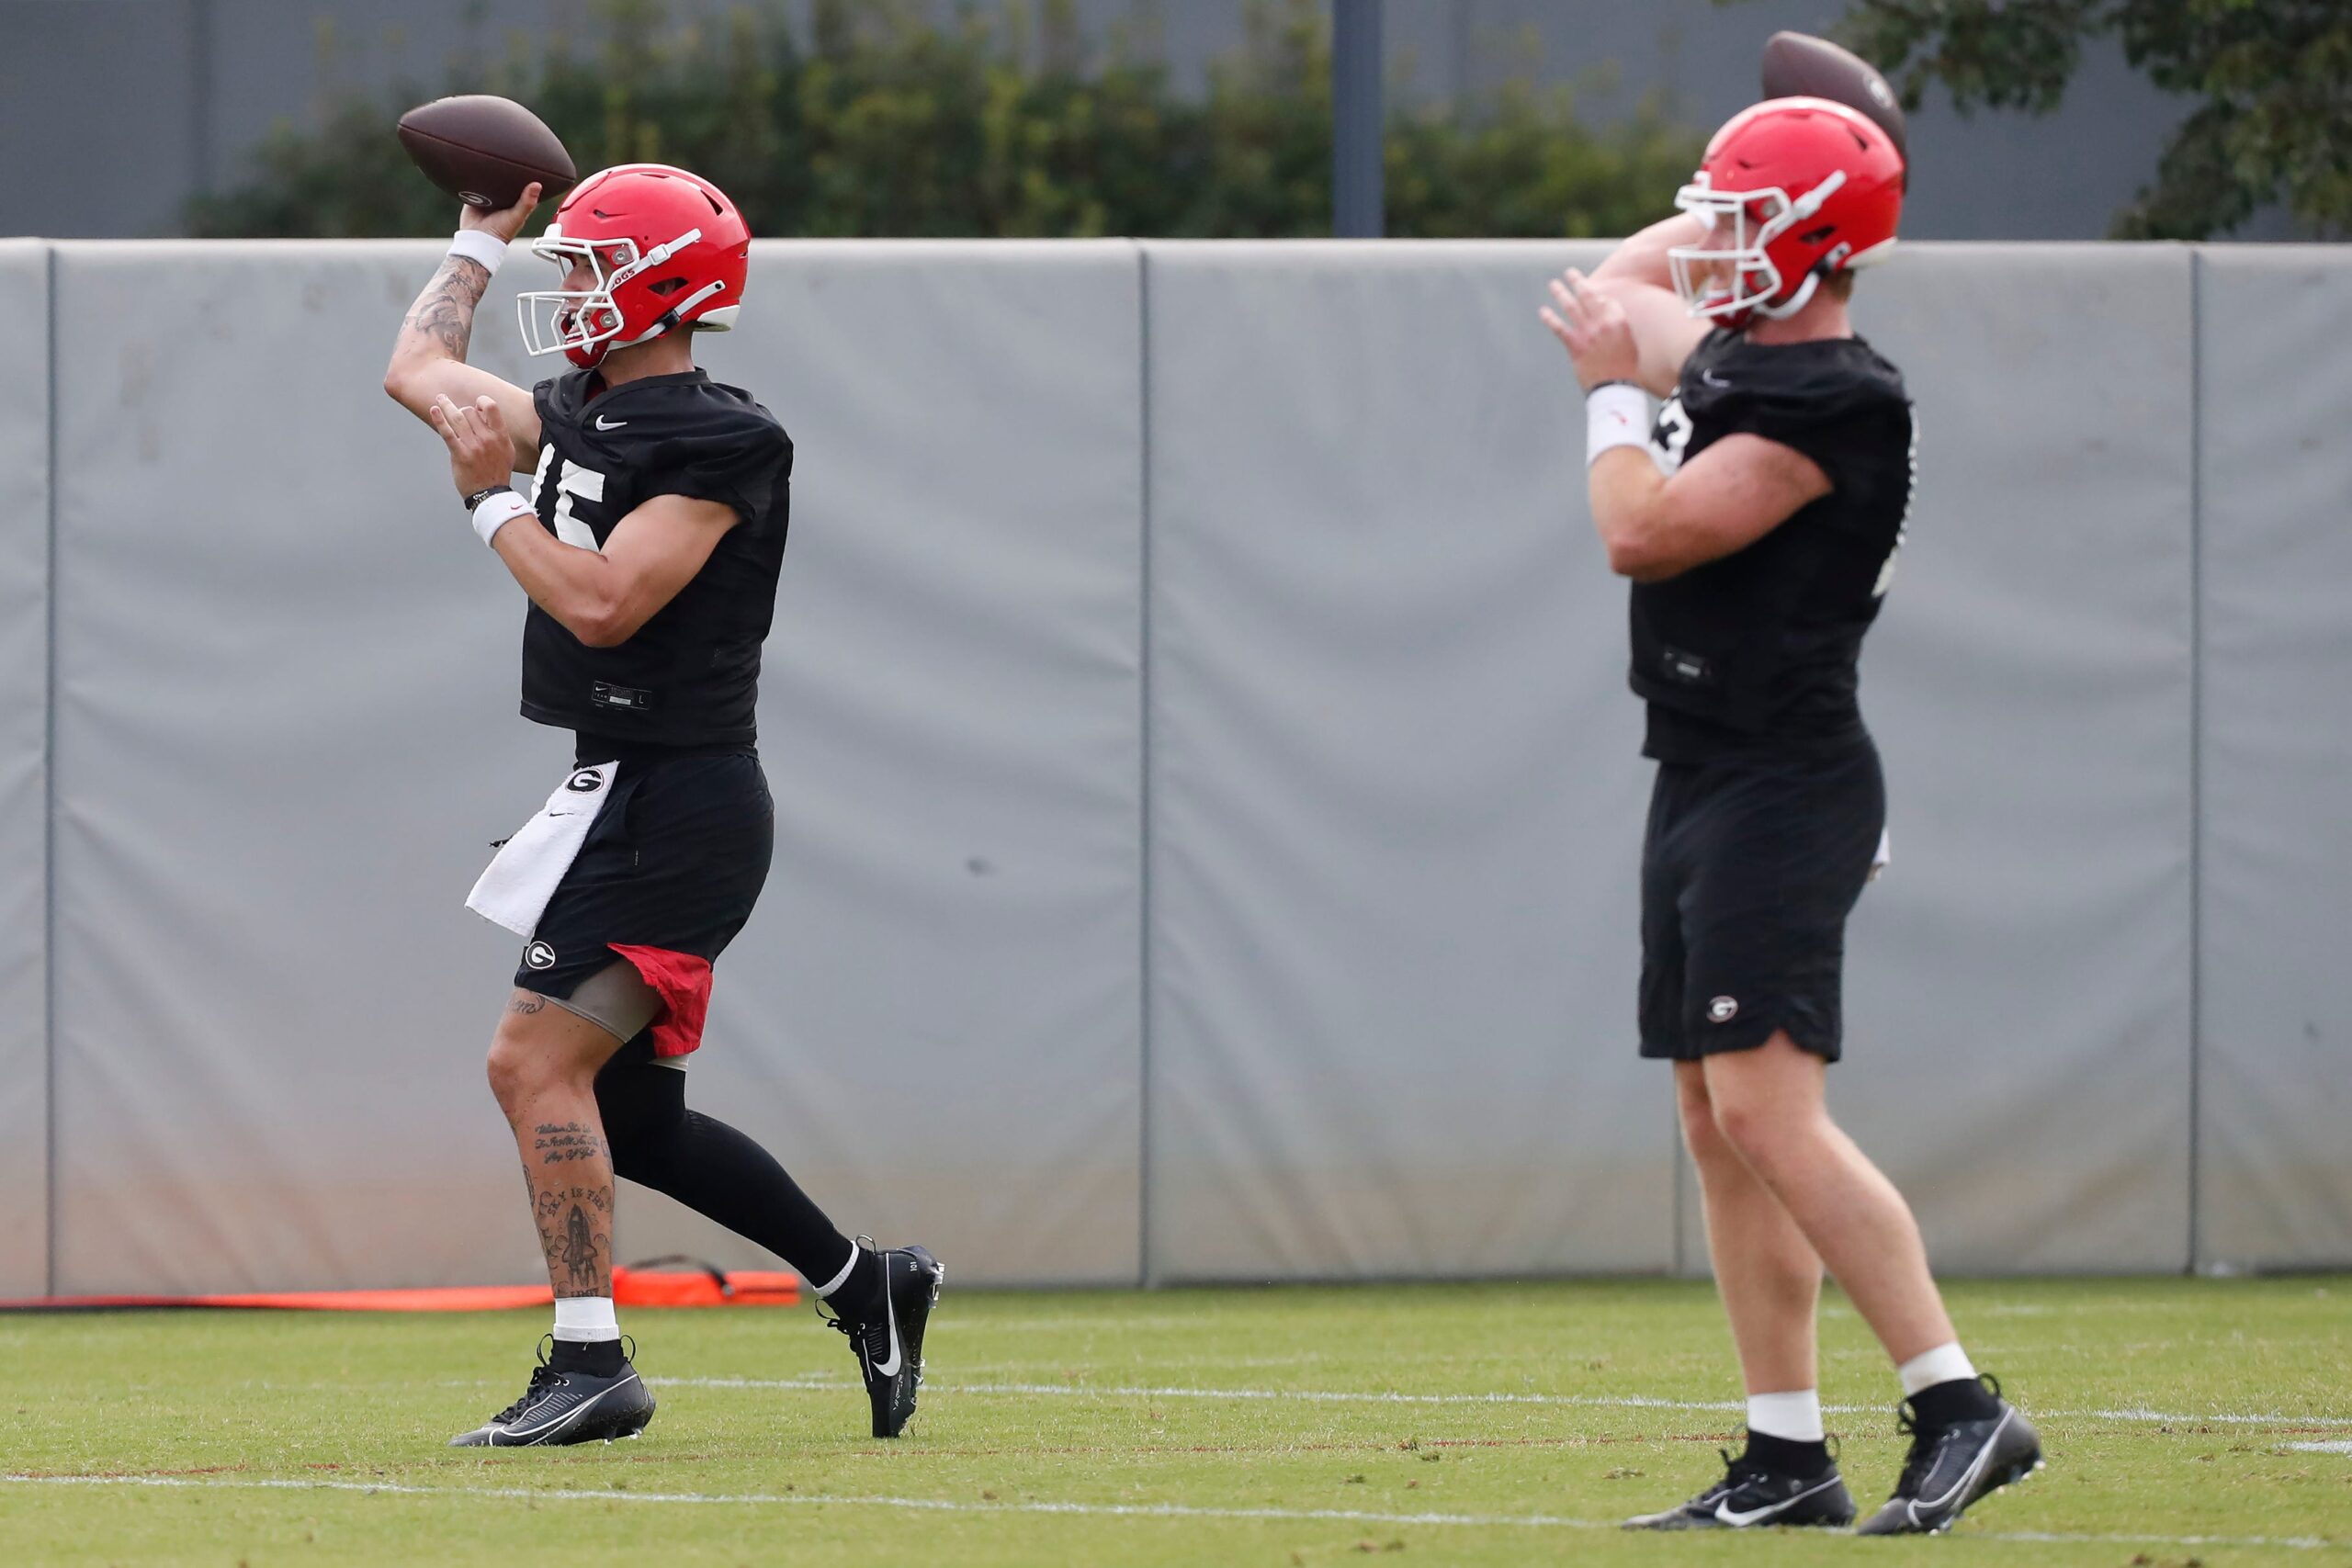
(1730, 275)
(584, 323)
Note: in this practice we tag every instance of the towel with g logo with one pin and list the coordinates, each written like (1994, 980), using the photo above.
(514, 891)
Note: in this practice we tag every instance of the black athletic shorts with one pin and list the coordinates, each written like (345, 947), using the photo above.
(668, 875)
(1751, 865)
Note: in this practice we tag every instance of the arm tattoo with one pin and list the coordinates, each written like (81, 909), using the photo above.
(444, 313)
(526, 1002)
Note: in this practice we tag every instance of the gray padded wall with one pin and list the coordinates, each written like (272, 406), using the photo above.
(2019, 980)
(949, 947)
(1394, 807)
(285, 739)
(2275, 1093)
(272, 1007)
(24, 740)
(1395, 802)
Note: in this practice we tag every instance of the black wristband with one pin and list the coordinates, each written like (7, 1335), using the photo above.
(484, 494)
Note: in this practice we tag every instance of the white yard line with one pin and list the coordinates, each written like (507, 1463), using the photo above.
(1587, 1401)
(2322, 1447)
(1095, 1510)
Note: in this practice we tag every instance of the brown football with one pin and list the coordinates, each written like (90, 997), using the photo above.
(1798, 65)
(484, 150)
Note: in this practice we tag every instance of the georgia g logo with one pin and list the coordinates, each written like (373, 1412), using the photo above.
(587, 781)
(539, 955)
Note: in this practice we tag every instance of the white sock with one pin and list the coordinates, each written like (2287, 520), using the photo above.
(838, 1280)
(1794, 1417)
(585, 1320)
(1945, 1363)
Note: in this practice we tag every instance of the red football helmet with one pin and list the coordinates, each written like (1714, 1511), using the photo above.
(1792, 190)
(668, 250)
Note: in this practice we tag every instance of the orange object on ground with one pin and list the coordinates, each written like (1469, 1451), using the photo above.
(645, 1285)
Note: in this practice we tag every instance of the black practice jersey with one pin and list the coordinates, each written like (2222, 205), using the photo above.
(1760, 648)
(690, 676)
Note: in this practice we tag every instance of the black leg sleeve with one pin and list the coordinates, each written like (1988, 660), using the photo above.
(712, 1169)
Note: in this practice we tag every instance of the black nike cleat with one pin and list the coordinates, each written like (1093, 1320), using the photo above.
(1751, 1497)
(1951, 1467)
(566, 1407)
(890, 1343)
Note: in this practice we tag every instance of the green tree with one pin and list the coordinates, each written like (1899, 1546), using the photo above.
(880, 118)
(2272, 80)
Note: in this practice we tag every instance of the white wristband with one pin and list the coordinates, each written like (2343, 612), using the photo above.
(1616, 414)
(480, 246)
(497, 511)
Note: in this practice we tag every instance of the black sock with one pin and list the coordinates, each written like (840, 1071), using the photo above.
(599, 1358)
(1786, 1456)
(859, 1299)
(712, 1169)
(1948, 1403)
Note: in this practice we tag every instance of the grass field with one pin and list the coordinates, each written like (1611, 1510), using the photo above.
(1465, 1424)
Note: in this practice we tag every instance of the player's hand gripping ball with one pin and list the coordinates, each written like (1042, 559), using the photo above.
(1594, 327)
(506, 223)
(481, 454)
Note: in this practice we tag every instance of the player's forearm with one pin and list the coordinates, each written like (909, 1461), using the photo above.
(582, 589)
(440, 325)
(1642, 258)
(1629, 510)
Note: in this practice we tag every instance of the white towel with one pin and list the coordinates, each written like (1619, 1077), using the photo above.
(514, 892)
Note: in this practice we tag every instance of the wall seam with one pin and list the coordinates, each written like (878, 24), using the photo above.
(2195, 751)
(49, 822)
(1146, 1270)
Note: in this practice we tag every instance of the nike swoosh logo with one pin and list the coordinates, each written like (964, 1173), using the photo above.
(604, 424)
(1967, 1477)
(1712, 379)
(530, 1436)
(1726, 1514)
(898, 1357)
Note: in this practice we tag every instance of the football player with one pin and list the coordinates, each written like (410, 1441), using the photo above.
(648, 544)
(1759, 513)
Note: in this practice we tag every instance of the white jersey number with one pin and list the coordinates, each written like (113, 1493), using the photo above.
(1902, 529)
(571, 479)
(1669, 436)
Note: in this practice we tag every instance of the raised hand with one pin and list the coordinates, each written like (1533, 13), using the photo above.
(482, 450)
(504, 221)
(1595, 329)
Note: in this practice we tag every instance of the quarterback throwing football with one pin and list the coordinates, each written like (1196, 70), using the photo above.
(648, 545)
(1759, 513)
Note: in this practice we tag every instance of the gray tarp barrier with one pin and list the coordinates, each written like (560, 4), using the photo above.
(935, 1014)
(24, 742)
(1387, 783)
(287, 736)
(1395, 804)
(2018, 1021)
(2274, 1079)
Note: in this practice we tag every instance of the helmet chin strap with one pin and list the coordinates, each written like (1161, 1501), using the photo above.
(1803, 296)
(1794, 303)
(668, 319)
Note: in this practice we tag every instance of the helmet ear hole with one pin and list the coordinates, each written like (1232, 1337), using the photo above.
(667, 286)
